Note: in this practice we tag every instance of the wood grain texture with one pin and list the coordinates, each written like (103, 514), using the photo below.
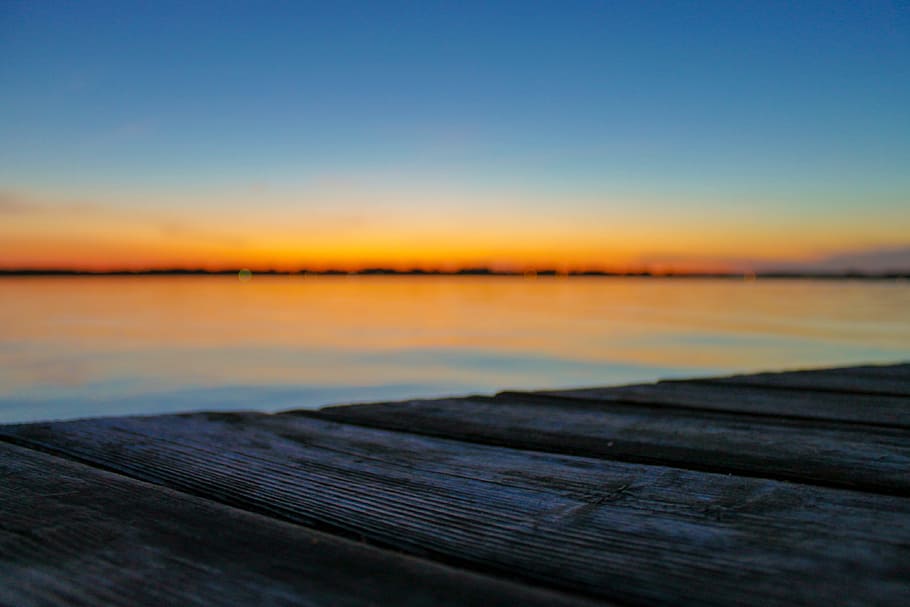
(75, 535)
(850, 380)
(829, 454)
(626, 532)
(781, 401)
(761, 502)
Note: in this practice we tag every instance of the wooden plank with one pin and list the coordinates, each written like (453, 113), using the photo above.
(763, 502)
(824, 380)
(896, 371)
(72, 534)
(881, 410)
(839, 455)
(637, 534)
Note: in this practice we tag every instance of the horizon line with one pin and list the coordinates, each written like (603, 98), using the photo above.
(478, 271)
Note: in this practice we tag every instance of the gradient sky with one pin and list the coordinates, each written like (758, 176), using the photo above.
(686, 135)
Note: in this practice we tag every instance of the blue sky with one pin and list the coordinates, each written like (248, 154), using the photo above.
(767, 117)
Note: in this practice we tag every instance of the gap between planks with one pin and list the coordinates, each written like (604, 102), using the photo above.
(860, 457)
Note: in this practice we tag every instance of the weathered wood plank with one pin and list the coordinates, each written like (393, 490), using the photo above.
(75, 535)
(760, 502)
(895, 371)
(656, 540)
(843, 381)
(780, 402)
(862, 457)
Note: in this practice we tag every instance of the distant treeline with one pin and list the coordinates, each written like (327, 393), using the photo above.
(460, 272)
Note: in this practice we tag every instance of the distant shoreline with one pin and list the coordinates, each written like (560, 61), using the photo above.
(465, 272)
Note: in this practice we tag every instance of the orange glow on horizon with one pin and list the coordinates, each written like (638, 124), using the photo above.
(41, 232)
(110, 254)
(107, 254)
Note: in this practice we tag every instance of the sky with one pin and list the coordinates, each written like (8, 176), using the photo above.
(680, 136)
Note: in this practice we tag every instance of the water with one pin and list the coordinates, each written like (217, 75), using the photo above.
(77, 347)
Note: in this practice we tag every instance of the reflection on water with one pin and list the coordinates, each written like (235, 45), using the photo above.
(73, 347)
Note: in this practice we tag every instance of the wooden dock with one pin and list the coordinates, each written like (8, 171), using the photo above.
(771, 489)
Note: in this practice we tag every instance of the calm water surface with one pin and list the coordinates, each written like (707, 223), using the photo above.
(76, 347)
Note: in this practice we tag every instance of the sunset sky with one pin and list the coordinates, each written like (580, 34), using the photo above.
(574, 135)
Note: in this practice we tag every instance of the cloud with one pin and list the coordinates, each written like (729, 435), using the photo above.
(74, 215)
(13, 203)
(19, 202)
(871, 260)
